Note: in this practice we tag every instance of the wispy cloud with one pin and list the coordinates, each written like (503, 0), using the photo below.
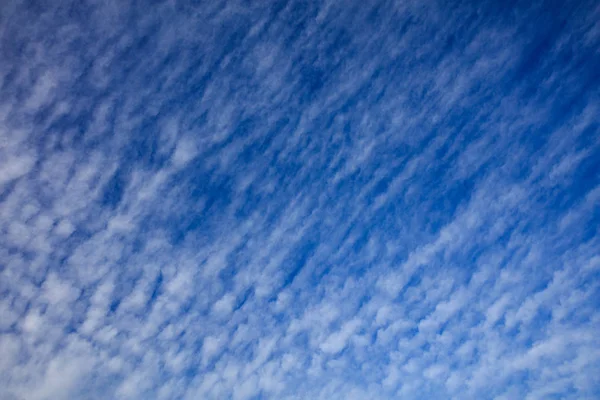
(299, 200)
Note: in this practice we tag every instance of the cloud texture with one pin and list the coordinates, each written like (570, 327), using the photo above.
(299, 200)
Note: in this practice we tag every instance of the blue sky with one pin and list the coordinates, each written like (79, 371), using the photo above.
(299, 200)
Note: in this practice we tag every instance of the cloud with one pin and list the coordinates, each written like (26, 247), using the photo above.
(299, 200)
(338, 340)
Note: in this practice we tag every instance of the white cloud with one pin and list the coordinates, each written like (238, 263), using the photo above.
(224, 305)
(15, 167)
(57, 291)
(33, 323)
(230, 201)
(212, 346)
(337, 341)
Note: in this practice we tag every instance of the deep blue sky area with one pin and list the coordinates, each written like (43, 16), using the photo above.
(296, 199)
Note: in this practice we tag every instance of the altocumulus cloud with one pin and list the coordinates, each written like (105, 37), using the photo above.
(299, 199)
